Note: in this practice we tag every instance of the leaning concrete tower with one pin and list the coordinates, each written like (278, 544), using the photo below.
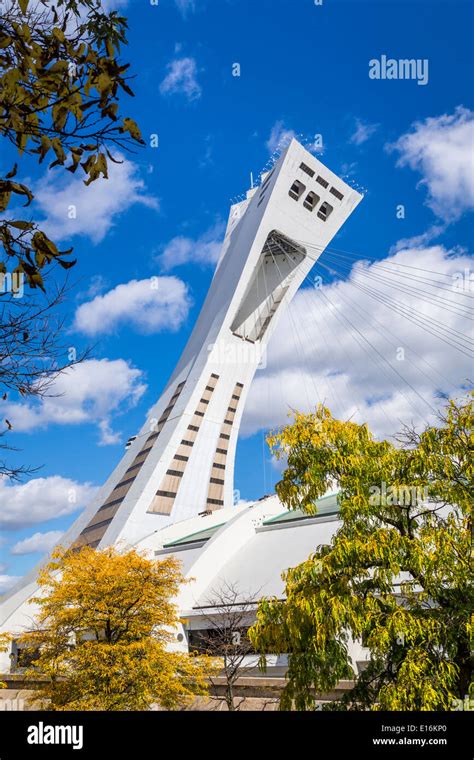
(182, 461)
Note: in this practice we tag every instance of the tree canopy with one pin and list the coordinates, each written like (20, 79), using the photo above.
(61, 78)
(102, 634)
(396, 574)
(60, 81)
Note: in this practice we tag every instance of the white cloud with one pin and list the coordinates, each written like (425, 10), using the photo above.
(441, 149)
(112, 5)
(280, 137)
(91, 392)
(41, 499)
(348, 169)
(38, 542)
(419, 241)
(244, 503)
(96, 207)
(151, 305)
(107, 436)
(182, 79)
(97, 285)
(44, 13)
(363, 132)
(204, 250)
(317, 352)
(7, 582)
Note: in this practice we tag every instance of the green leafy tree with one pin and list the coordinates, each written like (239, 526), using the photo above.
(60, 81)
(61, 78)
(396, 574)
(102, 634)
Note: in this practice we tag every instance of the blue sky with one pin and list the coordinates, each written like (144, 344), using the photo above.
(304, 70)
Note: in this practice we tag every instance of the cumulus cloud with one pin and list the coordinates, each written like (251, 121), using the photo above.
(204, 250)
(363, 132)
(91, 392)
(150, 306)
(419, 241)
(350, 345)
(441, 149)
(38, 542)
(41, 499)
(7, 582)
(71, 208)
(181, 79)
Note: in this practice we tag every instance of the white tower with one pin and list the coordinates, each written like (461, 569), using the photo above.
(182, 461)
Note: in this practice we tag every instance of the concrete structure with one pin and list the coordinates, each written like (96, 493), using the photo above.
(245, 548)
(248, 548)
(181, 464)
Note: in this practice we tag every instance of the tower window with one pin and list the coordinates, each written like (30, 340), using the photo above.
(335, 192)
(296, 190)
(322, 181)
(311, 201)
(325, 211)
(266, 181)
(305, 168)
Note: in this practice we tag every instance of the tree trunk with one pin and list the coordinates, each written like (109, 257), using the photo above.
(229, 697)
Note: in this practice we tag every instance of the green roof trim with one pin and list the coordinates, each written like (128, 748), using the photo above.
(200, 535)
(326, 509)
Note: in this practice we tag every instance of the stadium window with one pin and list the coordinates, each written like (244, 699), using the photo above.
(325, 211)
(305, 168)
(311, 201)
(296, 190)
(336, 193)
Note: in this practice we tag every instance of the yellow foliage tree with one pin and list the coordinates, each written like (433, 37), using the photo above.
(102, 632)
(4, 645)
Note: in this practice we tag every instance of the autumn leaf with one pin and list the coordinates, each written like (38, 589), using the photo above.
(19, 225)
(48, 103)
(131, 127)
